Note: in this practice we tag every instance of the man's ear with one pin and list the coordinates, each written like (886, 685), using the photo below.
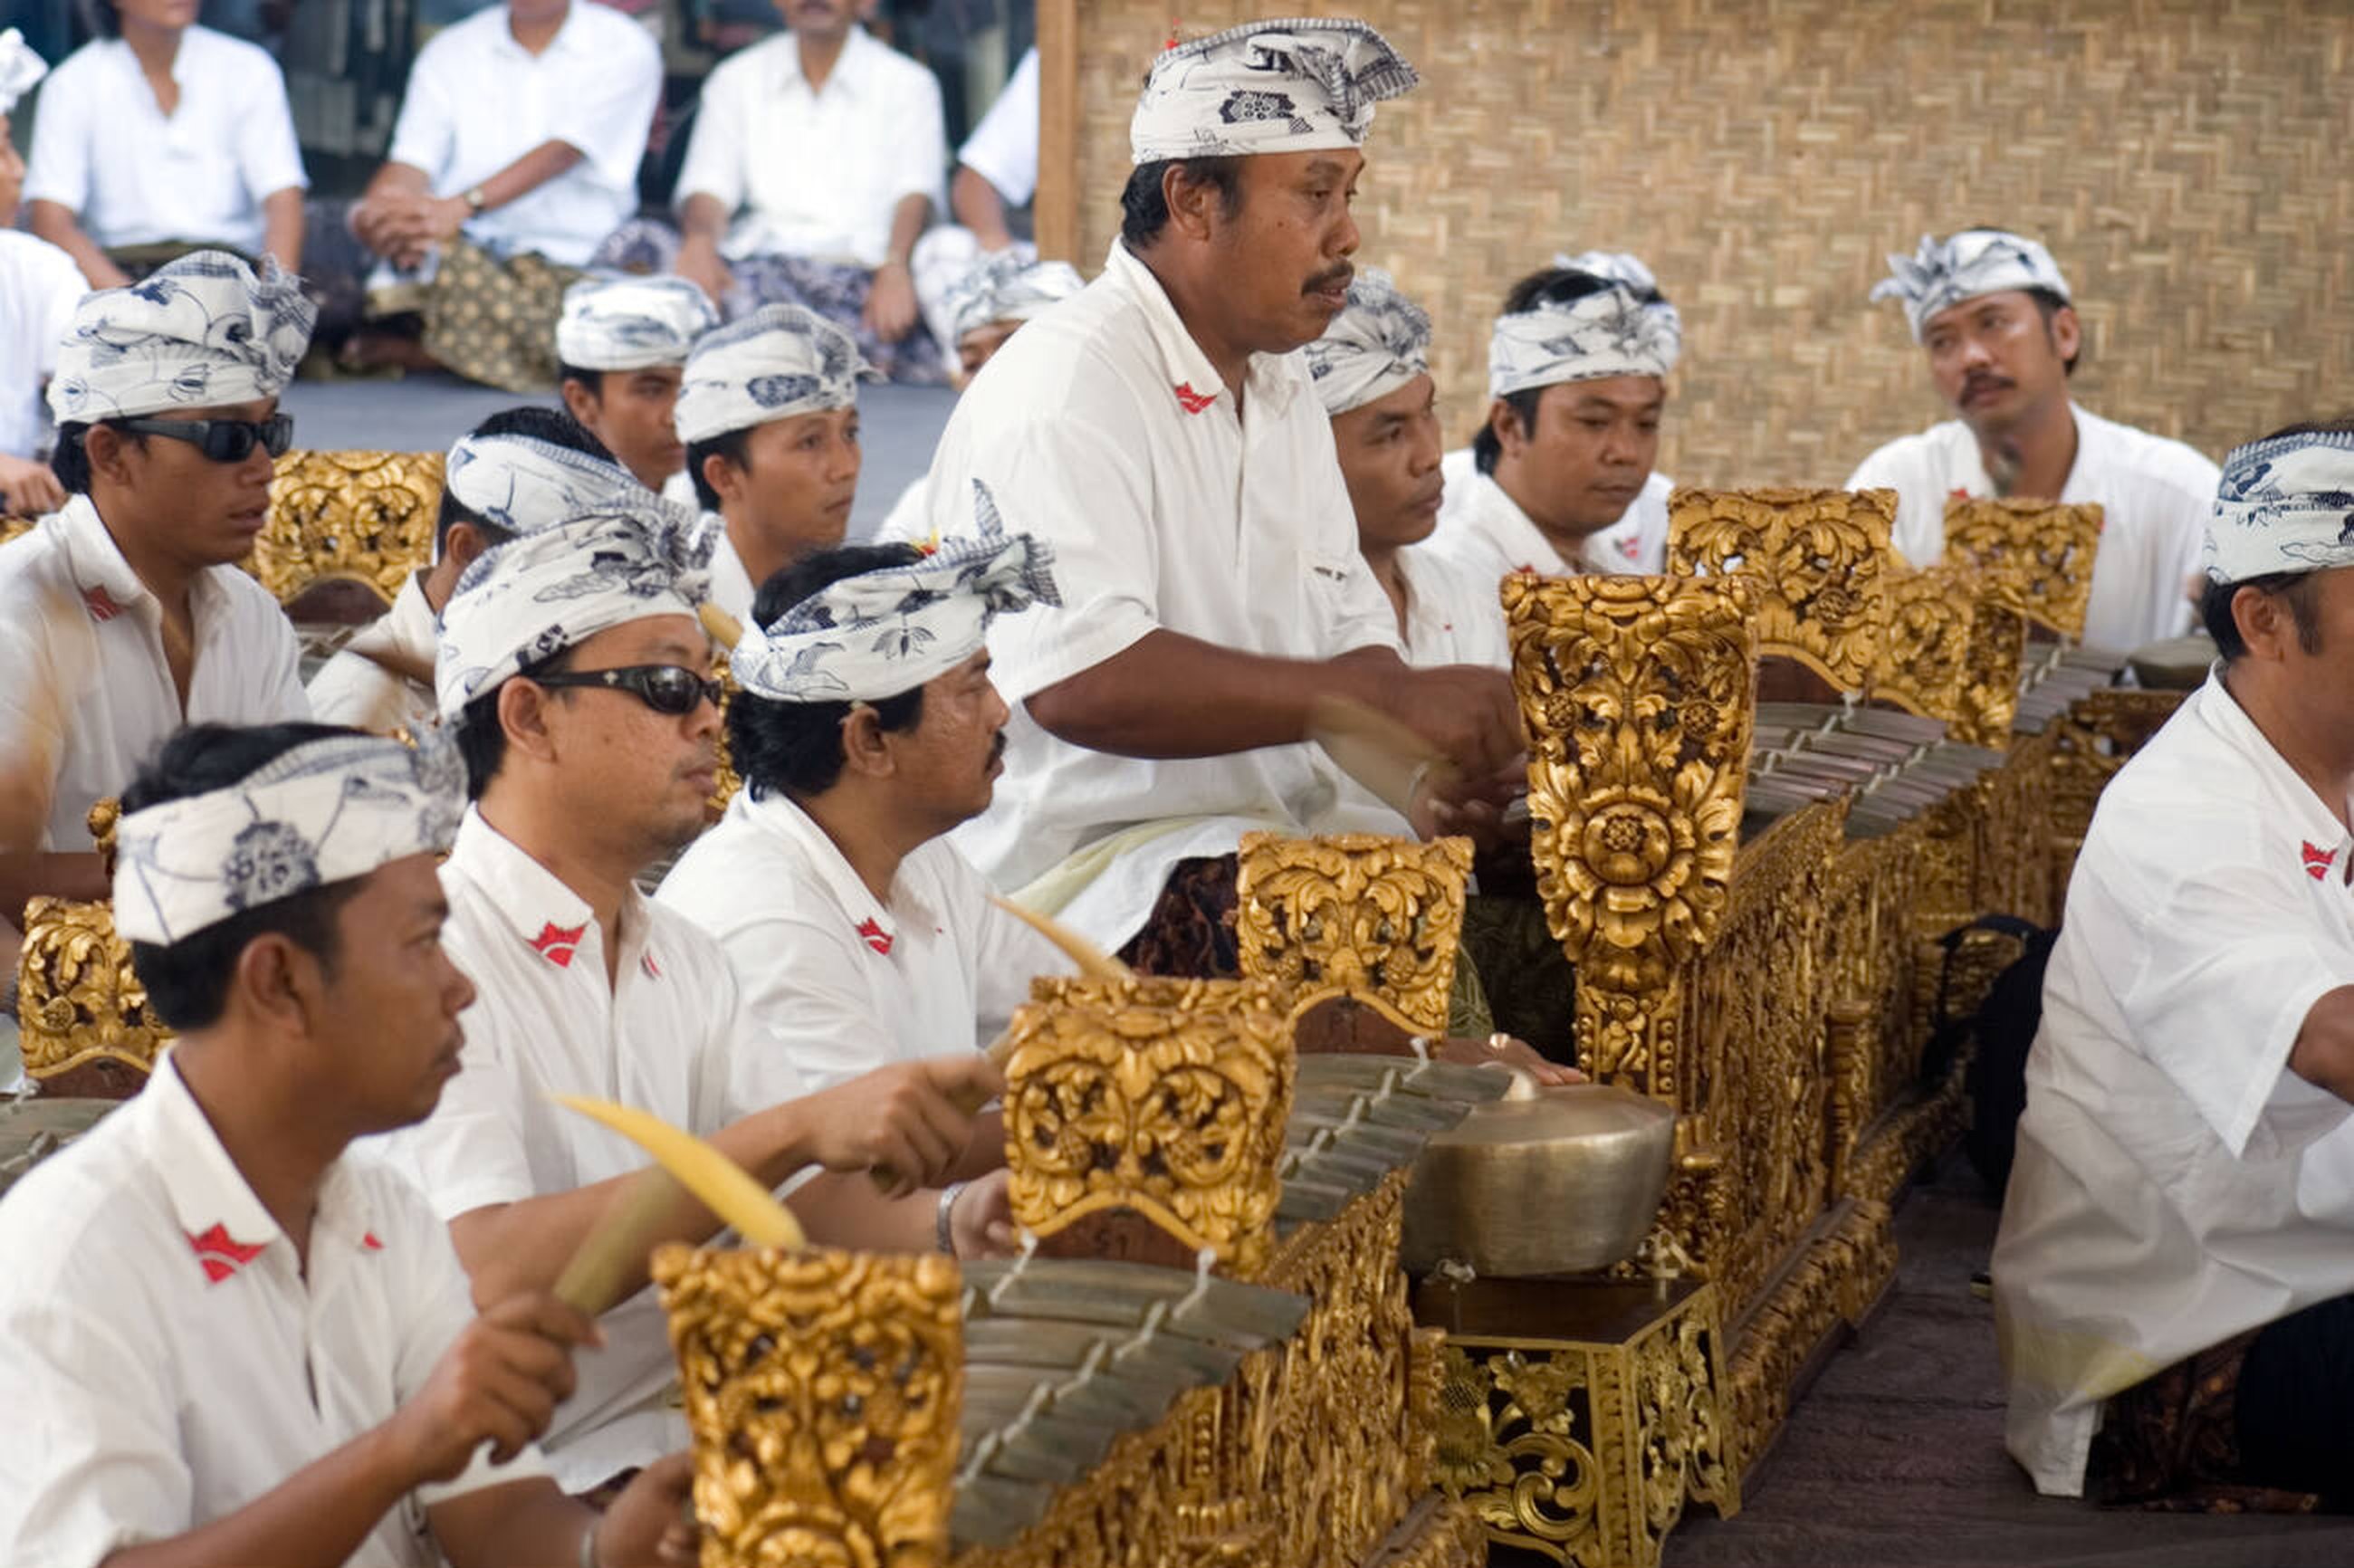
(1504, 424)
(276, 981)
(523, 710)
(865, 747)
(2067, 333)
(726, 481)
(2266, 623)
(109, 450)
(1195, 205)
(462, 546)
(580, 401)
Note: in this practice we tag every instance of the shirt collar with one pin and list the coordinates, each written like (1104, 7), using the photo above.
(872, 921)
(2327, 841)
(1513, 531)
(849, 73)
(568, 34)
(104, 579)
(1193, 382)
(543, 913)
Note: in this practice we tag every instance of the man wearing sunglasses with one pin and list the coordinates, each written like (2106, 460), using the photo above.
(123, 616)
(578, 683)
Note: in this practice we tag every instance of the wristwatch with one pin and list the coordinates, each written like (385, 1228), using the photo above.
(477, 198)
(941, 1232)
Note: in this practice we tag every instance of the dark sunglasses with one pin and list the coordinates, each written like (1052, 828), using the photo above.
(222, 440)
(666, 688)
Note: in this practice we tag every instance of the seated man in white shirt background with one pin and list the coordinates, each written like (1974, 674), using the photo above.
(528, 468)
(40, 286)
(2179, 1231)
(858, 934)
(815, 162)
(1373, 374)
(769, 410)
(161, 133)
(1559, 480)
(122, 616)
(229, 1341)
(620, 348)
(578, 681)
(1992, 313)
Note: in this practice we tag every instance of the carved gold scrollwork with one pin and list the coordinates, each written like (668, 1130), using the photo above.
(1924, 653)
(1814, 558)
(2035, 556)
(822, 1391)
(1988, 694)
(1355, 915)
(12, 526)
(729, 781)
(359, 516)
(79, 1005)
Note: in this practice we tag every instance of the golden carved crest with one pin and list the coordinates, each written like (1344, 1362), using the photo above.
(1815, 560)
(2035, 556)
(1988, 694)
(729, 780)
(12, 526)
(822, 1390)
(1174, 1114)
(355, 516)
(79, 1006)
(1355, 915)
(1925, 652)
(1636, 694)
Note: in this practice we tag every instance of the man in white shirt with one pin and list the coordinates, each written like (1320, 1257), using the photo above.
(161, 132)
(621, 347)
(1994, 315)
(2173, 1279)
(816, 162)
(229, 1340)
(1560, 479)
(122, 617)
(769, 411)
(1372, 369)
(1159, 433)
(40, 286)
(578, 679)
(520, 470)
(859, 935)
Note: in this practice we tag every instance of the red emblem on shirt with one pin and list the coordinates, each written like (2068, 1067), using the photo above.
(2317, 861)
(100, 604)
(368, 1240)
(1960, 492)
(1631, 547)
(556, 944)
(646, 962)
(1193, 402)
(219, 1256)
(876, 937)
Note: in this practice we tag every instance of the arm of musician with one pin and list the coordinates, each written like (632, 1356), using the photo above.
(980, 207)
(531, 1525)
(846, 1210)
(2324, 1052)
(281, 221)
(57, 223)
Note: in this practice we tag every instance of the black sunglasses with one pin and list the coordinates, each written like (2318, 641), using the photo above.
(222, 440)
(666, 688)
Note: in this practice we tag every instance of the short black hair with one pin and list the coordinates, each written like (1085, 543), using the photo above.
(733, 445)
(1545, 286)
(482, 740)
(797, 746)
(187, 981)
(2299, 588)
(594, 380)
(70, 460)
(537, 420)
(1144, 209)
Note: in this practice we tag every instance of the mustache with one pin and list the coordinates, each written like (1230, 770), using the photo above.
(1983, 381)
(1340, 276)
(997, 748)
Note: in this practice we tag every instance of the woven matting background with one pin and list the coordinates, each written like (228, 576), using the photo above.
(2190, 162)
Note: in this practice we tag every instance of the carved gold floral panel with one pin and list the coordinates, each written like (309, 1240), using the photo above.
(1355, 915)
(1815, 560)
(2036, 556)
(361, 516)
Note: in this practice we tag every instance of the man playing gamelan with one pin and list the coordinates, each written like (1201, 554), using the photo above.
(1373, 374)
(578, 679)
(620, 348)
(1559, 480)
(229, 1340)
(2173, 1279)
(865, 728)
(1992, 312)
(123, 616)
(1158, 432)
(769, 410)
(520, 470)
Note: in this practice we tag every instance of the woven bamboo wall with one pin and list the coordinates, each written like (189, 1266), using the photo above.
(2190, 161)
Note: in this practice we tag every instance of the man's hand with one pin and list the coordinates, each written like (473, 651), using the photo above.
(890, 310)
(1464, 710)
(1505, 1050)
(647, 1527)
(28, 489)
(980, 1224)
(400, 224)
(913, 1118)
(699, 263)
(500, 1382)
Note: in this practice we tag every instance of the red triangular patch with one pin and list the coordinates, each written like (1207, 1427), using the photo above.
(2317, 861)
(100, 604)
(556, 944)
(368, 1240)
(1193, 402)
(220, 1255)
(876, 937)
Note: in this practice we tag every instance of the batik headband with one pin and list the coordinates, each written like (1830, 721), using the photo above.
(321, 812)
(541, 593)
(1608, 332)
(199, 331)
(1623, 267)
(522, 484)
(882, 632)
(1267, 87)
(1379, 342)
(631, 323)
(1944, 272)
(2283, 504)
(20, 68)
(1004, 286)
(779, 361)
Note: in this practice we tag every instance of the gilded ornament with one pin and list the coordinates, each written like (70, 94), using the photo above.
(81, 1006)
(358, 516)
(1355, 915)
(2035, 556)
(1815, 560)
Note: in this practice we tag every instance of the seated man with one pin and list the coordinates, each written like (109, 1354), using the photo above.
(814, 164)
(520, 134)
(621, 347)
(522, 470)
(1373, 374)
(1559, 481)
(989, 196)
(859, 935)
(40, 286)
(769, 410)
(159, 135)
(577, 680)
(1993, 313)
(122, 616)
(228, 1343)
(1159, 433)
(2174, 1294)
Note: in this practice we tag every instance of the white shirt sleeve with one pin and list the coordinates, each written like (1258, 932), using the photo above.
(806, 1018)
(59, 170)
(921, 144)
(1919, 534)
(1003, 148)
(60, 287)
(266, 152)
(425, 137)
(714, 165)
(610, 112)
